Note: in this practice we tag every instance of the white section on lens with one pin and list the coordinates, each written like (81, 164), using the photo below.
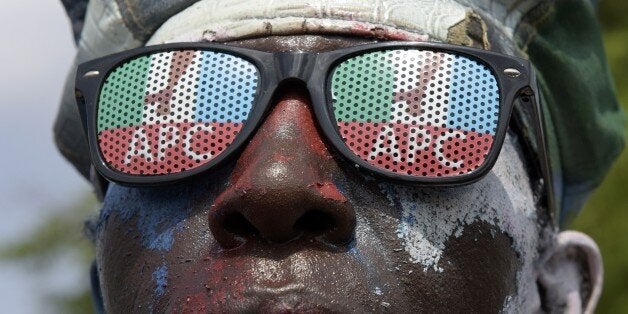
(180, 105)
(422, 72)
(158, 76)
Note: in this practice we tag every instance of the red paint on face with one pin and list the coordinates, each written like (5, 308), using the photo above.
(288, 135)
(227, 273)
(330, 191)
(367, 30)
(282, 158)
(271, 187)
(196, 303)
(212, 283)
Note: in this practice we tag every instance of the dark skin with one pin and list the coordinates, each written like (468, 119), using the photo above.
(289, 226)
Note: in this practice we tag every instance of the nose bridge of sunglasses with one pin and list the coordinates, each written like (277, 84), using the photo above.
(294, 65)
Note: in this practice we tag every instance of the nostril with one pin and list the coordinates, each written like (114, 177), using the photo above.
(237, 224)
(235, 218)
(315, 222)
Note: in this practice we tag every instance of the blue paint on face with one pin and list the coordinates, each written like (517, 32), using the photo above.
(372, 276)
(341, 184)
(408, 218)
(158, 212)
(160, 276)
(353, 250)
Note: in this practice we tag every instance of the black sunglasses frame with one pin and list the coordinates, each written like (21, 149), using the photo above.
(515, 78)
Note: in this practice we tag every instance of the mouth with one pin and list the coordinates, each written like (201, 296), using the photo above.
(253, 282)
(291, 298)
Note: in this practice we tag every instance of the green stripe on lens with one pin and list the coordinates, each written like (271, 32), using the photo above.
(362, 88)
(121, 101)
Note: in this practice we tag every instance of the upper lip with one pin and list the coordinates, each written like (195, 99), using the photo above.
(289, 288)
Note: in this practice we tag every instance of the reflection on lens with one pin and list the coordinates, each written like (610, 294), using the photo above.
(416, 112)
(173, 111)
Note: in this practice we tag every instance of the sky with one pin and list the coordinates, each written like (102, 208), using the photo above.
(37, 50)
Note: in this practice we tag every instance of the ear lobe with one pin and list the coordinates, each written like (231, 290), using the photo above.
(570, 276)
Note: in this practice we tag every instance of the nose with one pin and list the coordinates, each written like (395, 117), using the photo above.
(282, 186)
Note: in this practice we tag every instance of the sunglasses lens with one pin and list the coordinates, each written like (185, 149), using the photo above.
(416, 112)
(173, 111)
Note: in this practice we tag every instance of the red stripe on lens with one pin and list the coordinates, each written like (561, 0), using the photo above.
(165, 148)
(417, 150)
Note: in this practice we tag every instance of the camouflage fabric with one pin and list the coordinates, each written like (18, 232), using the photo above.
(564, 42)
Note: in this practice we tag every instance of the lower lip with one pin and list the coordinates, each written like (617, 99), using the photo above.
(289, 299)
(289, 306)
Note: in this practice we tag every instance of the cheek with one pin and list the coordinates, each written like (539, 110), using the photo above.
(430, 218)
(143, 235)
(414, 256)
(129, 273)
(486, 232)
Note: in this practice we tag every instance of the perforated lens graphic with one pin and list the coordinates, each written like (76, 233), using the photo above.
(173, 111)
(416, 112)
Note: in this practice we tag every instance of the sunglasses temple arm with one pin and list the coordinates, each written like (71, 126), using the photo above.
(543, 157)
(81, 106)
(99, 183)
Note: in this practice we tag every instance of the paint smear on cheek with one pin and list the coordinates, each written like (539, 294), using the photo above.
(428, 220)
(330, 191)
(430, 217)
(160, 276)
(158, 213)
(196, 303)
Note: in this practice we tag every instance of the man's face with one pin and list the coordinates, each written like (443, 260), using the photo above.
(292, 202)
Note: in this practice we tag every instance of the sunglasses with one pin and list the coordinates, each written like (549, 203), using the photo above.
(426, 113)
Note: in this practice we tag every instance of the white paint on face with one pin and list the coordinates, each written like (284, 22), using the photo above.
(503, 199)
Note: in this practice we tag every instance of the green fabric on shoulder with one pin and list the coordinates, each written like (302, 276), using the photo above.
(563, 41)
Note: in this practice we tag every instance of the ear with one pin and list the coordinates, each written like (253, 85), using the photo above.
(570, 276)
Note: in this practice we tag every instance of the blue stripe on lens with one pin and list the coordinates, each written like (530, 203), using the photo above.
(473, 98)
(226, 88)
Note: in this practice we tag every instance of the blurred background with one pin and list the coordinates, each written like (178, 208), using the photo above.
(44, 255)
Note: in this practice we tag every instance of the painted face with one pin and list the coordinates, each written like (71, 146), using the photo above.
(269, 230)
